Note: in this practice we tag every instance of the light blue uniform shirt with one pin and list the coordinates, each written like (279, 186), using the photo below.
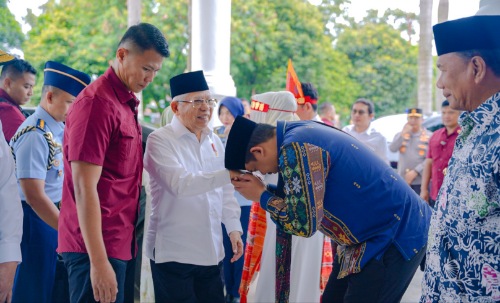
(32, 152)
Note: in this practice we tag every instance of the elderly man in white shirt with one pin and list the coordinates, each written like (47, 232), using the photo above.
(362, 113)
(11, 221)
(191, 197)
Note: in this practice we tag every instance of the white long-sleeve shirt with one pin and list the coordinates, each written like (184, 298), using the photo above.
(191, 195)
(11, 211)
(372, 138)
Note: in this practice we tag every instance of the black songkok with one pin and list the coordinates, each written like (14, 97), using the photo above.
(476, 32)
(237, 143)
(188, 83)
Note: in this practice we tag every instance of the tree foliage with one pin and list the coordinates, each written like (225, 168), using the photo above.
(266, 33)
(385, 65)
(84, 35)
(369, 59)
(11, 35)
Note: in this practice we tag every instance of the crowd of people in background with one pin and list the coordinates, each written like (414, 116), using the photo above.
(278, 204)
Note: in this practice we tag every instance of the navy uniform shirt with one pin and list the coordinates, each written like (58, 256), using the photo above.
(32, 153)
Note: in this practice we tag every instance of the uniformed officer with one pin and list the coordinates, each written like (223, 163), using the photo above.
(412, 143)
(37, 148)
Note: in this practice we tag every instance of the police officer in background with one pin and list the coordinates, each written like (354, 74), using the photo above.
(37, 147)
(412, 143)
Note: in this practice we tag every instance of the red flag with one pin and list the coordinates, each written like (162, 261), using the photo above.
(293, 83)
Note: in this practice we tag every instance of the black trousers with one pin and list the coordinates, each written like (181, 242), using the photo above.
(186, 283)
(80, 286)
(383, 281)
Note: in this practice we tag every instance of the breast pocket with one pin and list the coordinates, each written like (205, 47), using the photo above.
(126, 144)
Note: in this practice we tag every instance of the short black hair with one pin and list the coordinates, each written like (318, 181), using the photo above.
(445, 103)
(371, 107)
(260, 134)
(490, 56)
(16, 68)
(309, 90)
(146, 36)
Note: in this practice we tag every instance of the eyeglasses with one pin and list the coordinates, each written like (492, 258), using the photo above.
(197, 103)
(360, 112)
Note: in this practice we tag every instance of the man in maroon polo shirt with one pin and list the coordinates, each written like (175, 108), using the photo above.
(16, 88)
(103, 168)
(440, 149)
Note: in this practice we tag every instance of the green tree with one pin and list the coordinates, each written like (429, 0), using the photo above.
(63, 33)
(171, 17)
(385, 65)
(11, 35)
(266, 33)
(79, 33)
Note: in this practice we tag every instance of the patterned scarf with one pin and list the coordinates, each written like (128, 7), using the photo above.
(253, 250)
(326, 262)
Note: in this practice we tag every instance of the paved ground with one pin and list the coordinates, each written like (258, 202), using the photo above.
(413, 292)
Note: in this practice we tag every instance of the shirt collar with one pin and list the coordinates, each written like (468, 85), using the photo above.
(485, 112)
(121, 91)
(180, 130)
(56, 128)
(367, 131)
(4, 95)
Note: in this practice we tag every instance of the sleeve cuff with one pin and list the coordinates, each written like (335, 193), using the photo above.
(233, 225)
(272, 188)
(11, 252)
(222, 178)
(264, 198)
(32, 174)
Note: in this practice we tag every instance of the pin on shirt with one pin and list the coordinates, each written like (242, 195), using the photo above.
(215, 150)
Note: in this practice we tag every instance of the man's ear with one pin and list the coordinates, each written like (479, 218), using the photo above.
(6, 82)
(257, 151)
(479, 68)
(48, 97)
(175, 107)
(121, 52)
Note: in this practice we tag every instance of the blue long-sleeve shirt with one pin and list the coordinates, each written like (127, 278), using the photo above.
(333, 183)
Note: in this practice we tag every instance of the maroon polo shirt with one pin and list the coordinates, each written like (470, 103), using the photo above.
(102, 129)
(440, 149)
(10, 115)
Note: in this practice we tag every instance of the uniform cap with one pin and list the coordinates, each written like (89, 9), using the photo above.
(65, 78)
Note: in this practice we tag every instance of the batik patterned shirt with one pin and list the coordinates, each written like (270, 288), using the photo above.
(463, 257)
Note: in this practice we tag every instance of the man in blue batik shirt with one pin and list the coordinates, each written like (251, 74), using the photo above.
(332, 183)
(463, 257)
(39, 169)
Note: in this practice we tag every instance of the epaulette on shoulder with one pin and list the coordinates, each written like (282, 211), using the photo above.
(40, 124)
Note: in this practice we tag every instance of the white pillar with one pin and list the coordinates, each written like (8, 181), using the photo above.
(134, 18)
(210, 44)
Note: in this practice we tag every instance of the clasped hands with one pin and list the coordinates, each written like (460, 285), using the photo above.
(247, 184)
